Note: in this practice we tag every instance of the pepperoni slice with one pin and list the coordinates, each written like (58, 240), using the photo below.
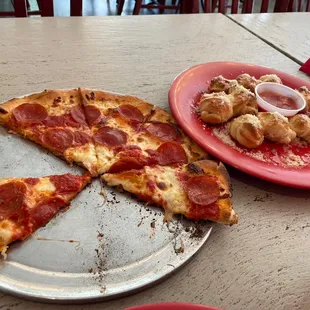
(77, 113)
(61, 121)
(125, 164)
(93, 115)
(81, 138)
(30, 113)
(11, 198)
(198, 212)
(55, 121)
(162, 131)
(67, 183)
(45, 210)
(202, 190)
(171, 153)
(130, 112)
(110, 136)
(32, 181)
(58, 139)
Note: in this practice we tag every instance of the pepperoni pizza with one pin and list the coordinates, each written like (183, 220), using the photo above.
(130, 133)
(56, 120)
(99, 130)
(29, 203)
(132, 143)
(198, 190)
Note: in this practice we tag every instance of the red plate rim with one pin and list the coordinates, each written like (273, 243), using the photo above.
(188, 84)
(172, 306)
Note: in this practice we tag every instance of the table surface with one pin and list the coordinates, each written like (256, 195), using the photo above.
(288, 32)
(261, 263)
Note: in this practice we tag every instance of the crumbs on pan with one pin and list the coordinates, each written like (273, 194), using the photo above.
(100, 269)
(286, 158)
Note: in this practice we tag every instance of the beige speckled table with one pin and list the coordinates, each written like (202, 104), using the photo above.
(261, 263)
(287, 32)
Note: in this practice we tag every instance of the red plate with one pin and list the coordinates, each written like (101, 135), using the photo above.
(172, 306)
(286, 165)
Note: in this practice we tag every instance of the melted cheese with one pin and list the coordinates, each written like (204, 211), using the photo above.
(44, 186)
(61, 108)
(85, 155)
(6, 228)
(6, 235)
(106, 158)
(104, 106)
(173, 197)
(145, 142)
(3, 181)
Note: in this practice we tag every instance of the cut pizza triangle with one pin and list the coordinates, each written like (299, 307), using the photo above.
(27, 204)
(199, 190)
(130, 133)
(114, 119)
(54, 119)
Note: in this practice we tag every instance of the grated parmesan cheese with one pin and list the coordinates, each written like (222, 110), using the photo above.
(284, 159)
(292, 160)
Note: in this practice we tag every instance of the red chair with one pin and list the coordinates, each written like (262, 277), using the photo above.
(280, 6)
(247, 7)
(76, 7)
(20, 9)
(292, 6)
(161, 6)
(46, 8)
(211, 5)
(183, 6)
(299, 6)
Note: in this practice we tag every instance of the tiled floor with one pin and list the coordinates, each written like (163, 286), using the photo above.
(102, 7)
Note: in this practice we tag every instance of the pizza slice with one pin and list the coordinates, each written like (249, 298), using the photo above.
(198, 190)
(114, 120)
(27, 204)
(130, 133)
(54, 119)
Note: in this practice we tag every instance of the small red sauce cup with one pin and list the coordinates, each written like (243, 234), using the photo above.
(281, 90)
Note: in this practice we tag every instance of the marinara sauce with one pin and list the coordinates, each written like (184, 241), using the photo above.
(279, 100)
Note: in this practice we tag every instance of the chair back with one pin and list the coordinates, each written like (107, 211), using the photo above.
(46, 8)
(247, 6)
(160, 5)
(211, 5)
(299, 6)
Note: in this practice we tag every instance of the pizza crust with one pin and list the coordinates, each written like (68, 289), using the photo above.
(106, 100)
(161, 115)
(56, 102)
